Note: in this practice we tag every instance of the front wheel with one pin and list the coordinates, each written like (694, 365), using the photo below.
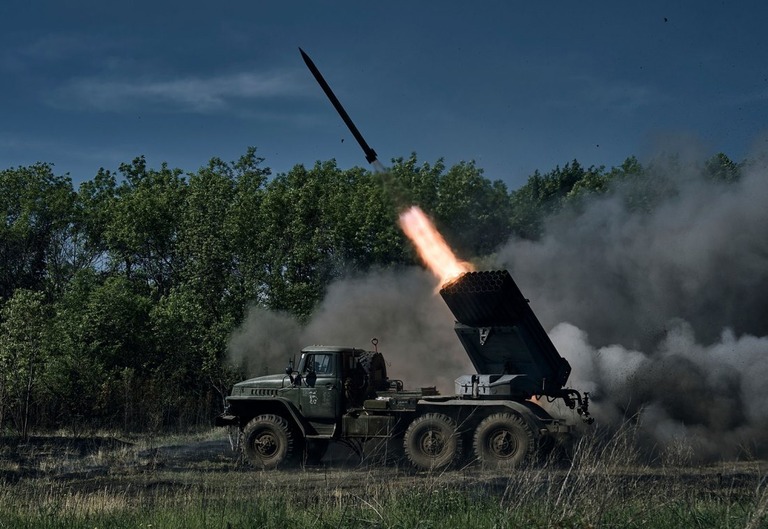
(431, 442)
(504, 441)
(268, 441)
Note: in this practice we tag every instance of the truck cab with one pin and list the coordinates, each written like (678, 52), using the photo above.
(326, 381)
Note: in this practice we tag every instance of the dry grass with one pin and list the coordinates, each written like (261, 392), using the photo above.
(196, 482)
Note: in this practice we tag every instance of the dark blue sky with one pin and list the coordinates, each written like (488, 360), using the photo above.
(515, 86)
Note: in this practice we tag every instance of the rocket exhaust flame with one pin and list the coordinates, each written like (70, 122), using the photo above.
(431, 247)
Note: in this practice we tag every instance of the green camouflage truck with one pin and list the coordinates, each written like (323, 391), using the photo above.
(343, 394)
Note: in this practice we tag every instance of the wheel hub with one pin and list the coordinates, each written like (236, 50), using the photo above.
(432, 443)
(265, 444)
(503, 444)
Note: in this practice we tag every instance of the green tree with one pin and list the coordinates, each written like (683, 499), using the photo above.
(322, 223)
(102, 335)
(245, 225)
(720, 168)
(543, 195)
(23, 351)
(220, 231)
(95, 206)
(547, 194)
(205, 249)
(643, 188)
(143, 225)
(473, 212)
(37, 209)
(525, 205)
(408, 183)
(190, 374)
(594, 180)
(299, 251)
(363, 223)
(76, 379)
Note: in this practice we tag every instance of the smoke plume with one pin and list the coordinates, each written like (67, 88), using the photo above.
(656, 292)
(662, 311)
(265, 342)
(399, 308)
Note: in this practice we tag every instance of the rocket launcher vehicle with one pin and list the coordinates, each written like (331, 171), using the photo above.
(505, 341)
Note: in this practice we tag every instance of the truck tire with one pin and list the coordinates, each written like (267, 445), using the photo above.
(268, 441)
(431, 442)
(503, 441)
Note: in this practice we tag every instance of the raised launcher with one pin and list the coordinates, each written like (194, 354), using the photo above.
(506, 343)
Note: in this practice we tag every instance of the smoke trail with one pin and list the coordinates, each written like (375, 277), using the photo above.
(666, 309)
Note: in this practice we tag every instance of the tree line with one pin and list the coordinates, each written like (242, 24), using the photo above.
(117, 298)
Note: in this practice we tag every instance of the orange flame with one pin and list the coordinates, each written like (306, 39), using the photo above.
(431, 246)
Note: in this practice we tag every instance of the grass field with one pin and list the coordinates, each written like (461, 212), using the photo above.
(196, 481)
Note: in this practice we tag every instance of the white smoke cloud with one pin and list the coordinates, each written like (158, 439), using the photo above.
(708, 398)
(667, 307)
(403, 310)
(662, 311)
(623, 275)
(400, 308)
(196, 94)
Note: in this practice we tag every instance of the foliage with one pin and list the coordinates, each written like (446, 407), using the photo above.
(720, 168)
(473, 211)
(37, 210)
(546, 194)
(119, 298)
(23, 346)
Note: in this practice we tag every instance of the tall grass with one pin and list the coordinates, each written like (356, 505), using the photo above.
(603, 483)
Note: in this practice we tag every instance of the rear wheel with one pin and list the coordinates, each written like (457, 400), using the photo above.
(431, 442)
(268, 441)
(504, 440)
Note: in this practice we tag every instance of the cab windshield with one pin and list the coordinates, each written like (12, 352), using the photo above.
(318, 363)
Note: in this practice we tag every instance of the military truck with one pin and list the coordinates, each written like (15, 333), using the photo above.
(343, 394)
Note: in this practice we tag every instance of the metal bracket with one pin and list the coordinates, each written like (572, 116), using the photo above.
(484, 332)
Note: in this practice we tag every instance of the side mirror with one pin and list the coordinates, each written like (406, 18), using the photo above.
(292, 374)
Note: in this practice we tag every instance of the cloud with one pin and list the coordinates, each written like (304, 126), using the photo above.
(59, 51)
(58, 46)
(615, 95)
(46, 49)
(193, 93)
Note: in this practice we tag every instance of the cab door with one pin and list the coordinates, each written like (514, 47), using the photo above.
(320, 398)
